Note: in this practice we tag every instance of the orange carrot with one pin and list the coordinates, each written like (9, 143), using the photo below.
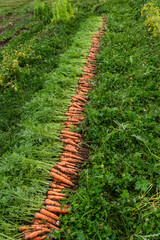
(54, 203)
(71, 133)
(67, 164)
(73, 111)
(67, 154)
(56, 186)
(38, 227)
(50, 202)
(56, 209)
(35, 234)
(69, 141)
(67, 170)
(70, 148)
(56, 193)
(23, 228)
(53, 170)
(71, 115)
(81, 98)
(76, 110)
(37, 222)
(71, 137)
(70, 160)
(39, 238)
(73, 120)
(74, 104)
(65, 185)
(55, 197)
(56, 190)
(59, 173)
(45, 218)
(56, 176)
(49, 225)
(48, 214)
(77, 100)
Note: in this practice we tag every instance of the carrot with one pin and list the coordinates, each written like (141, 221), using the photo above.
(45, 218)
(68, 135)
(76, 106)
(77, 100)
(70, 160)
(56, 176)
(81, 98)
(56, 190)
(81, 93)
(53, 170)
(56, 193)
(50, 202)
(38, 227)
(78, 110)
(55, 197)
(71, 133)
(23, 228)
(32, 227)
(48, 214)
(72, 115)
(35, 234)
(67, 170)
(68, 128)
(66, 154)
(56, 186)
(49, 225)
(67, 164)
(39, 238)
(60, 173)
(56, 209)
(70, 148)
(87, 71)
(77, 121)
(69, 141)
(85, 77)
(65, 185)
(74, 119)
(37, 222)
(71, 124)
(54, 203)
(75, 140)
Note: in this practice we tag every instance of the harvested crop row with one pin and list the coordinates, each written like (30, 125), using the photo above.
(65, 173)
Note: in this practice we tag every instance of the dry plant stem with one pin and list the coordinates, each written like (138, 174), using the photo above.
(65, 173)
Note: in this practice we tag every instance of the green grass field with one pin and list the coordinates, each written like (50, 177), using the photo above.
(9, 5)
(119, 191)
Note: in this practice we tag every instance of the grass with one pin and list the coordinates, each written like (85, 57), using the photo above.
(9, 5)
(35, 145)
(119, 192)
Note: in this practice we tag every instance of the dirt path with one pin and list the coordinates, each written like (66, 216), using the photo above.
(65, 172)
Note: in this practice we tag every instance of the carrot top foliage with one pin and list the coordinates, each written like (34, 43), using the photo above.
(48, 61)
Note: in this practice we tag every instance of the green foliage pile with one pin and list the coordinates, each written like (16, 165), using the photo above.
(24, 66)
(25, 166)
(62, 10)
(43, 11)
(119, 193)
(151, 11)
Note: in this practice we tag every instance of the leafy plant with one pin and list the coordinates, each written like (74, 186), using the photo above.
(62, 10)
(43, 11)
(152, 14)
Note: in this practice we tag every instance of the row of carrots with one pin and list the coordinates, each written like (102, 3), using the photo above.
(65, 172)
